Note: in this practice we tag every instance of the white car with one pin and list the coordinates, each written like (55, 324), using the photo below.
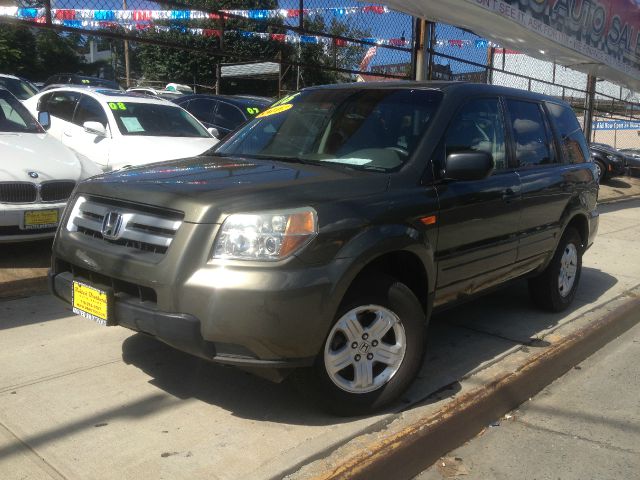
(115, 129)
(19, 87)
(37, 174)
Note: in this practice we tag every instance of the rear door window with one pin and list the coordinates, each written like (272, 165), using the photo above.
(62, 104)
(478, 127)
(572, 142)
(531, 136)
(43, 102)
(228, 116)
(202, 109)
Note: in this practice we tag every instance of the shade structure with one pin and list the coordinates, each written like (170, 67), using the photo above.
(600, 37)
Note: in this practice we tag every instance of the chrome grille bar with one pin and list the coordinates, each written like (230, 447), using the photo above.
(138, 230)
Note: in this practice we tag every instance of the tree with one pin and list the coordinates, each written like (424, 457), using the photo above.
(187, 66)
(56, 53)
(18, 51)
(332, 56)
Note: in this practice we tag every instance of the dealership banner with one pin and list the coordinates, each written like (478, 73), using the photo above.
(601, 37)
(616, 125)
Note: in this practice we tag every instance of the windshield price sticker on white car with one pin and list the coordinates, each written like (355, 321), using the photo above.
(132, 124)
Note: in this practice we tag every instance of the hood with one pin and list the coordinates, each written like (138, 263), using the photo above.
(206, 187)
(21, 153)
(134, 150)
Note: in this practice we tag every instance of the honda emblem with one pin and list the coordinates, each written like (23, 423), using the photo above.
(111, 226)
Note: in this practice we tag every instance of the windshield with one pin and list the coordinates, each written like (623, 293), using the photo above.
(149, 119)
(14, 117)
(375, 129)
(20, 89)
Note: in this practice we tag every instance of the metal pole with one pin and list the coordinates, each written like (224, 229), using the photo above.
(588, 106)
(421, 27)
(126, 54)
(431, 49)
(218, 77)
(47, 11)
(301, 25)
(491, 54)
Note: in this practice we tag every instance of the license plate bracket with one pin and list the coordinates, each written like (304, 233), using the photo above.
(93, 303)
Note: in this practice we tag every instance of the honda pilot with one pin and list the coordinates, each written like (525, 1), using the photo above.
(325, 232)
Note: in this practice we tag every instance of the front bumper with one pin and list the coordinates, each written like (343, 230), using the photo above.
(180, 330)
(235, 313)
(12, 221)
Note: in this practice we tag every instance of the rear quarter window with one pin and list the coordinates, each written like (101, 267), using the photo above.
(572, 142)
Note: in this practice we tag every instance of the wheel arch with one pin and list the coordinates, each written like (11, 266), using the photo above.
(580, 222)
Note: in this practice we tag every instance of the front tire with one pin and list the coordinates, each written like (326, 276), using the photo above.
(601, 170)
(556, 287)
(374, 349)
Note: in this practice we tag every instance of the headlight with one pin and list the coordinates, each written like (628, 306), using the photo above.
(613, 158)
(265, 236)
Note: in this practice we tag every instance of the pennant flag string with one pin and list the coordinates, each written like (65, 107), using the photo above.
(110, 15)
(143, 20)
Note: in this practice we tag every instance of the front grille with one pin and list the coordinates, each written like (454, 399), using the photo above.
(144, 294)
(56, 191)
(142, 228)
(18, 192)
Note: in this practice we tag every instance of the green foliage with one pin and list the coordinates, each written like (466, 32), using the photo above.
(345, 57)
(36, 56)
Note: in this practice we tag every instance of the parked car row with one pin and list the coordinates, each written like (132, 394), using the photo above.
(116, 129)
(37, 174)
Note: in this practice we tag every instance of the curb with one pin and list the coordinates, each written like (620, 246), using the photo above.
(407, 452)
(23, 287)
(618, 199)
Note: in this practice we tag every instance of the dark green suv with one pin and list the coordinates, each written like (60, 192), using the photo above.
(325, 231)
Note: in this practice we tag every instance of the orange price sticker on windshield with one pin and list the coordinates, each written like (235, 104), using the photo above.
(274, 110)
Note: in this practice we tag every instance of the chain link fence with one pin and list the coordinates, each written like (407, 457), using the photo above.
(270, 47)
(313, 41)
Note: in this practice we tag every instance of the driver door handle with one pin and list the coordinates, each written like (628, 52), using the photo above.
(67, 133)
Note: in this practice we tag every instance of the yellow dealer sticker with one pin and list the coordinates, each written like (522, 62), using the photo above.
(90, 302)
(274, 110)
(40, 219)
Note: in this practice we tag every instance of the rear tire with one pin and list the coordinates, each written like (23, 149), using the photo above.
(374, 349)
(555, 288)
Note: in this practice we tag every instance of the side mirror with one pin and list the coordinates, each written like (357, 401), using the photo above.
(214, 131)
(95, 127)
(44, 119)
(468, 166)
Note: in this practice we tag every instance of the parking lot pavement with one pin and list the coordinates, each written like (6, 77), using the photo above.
(81, 401)
(584, 425)
(23, 267)
(618, 188)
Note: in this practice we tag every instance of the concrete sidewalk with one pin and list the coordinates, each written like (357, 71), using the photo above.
(586, 425)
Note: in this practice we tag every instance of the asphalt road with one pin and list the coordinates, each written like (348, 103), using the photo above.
(80, 401)
(586, 425)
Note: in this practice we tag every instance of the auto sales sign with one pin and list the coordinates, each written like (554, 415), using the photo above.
(601, 37)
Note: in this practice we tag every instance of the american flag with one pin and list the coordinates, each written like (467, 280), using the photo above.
(367, 58)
